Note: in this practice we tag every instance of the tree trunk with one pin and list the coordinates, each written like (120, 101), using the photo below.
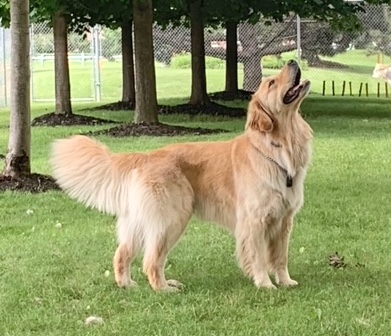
(146, 101)
(231, 61)
(252, 73)
(128, 89)
(311, 56)
(199, 95)
(17, 161)
(252, 60)
(61, 64)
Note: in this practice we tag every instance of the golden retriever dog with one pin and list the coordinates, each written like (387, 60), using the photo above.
(382, 71)
(252, 185)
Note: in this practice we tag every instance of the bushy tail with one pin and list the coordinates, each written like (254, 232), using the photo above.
(86, 171)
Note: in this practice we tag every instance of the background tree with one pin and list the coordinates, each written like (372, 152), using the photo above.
(128, 84)
(17, 160)
(115, 15)
(58, 15)
(61, 64)
(199, 95)
(146, 102)
(376, 34)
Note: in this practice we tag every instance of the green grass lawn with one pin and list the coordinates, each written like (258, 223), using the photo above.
(176, 82)
(52, 279)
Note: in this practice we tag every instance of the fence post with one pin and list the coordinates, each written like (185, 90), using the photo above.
(96, 63)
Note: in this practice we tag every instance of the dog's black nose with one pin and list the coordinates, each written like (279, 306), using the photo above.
(291, 62)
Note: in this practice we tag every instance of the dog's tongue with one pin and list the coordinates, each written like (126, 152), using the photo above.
(294, 89)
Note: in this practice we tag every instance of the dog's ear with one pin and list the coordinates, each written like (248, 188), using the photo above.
(258, 119)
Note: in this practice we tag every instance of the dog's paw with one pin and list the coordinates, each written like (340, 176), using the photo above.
(172, 286)
(288, 283)
(175, 284)
(128, 283)
(267, 284)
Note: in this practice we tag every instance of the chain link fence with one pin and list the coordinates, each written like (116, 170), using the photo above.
(337, 63)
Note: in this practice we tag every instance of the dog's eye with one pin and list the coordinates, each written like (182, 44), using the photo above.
(271, 83)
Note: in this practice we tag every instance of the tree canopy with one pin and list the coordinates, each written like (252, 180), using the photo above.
(340, 14)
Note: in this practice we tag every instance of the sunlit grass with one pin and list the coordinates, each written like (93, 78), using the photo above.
(52, 278)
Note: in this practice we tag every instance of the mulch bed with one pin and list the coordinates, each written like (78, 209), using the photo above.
(329, 65)
(52, 119)
(212, 109)
(33, 183)
(221, 95)
(230, 96)
(136, 130)
(117, 106)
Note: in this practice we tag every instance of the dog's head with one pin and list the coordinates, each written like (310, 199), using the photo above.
(381, 71)
(278, 97)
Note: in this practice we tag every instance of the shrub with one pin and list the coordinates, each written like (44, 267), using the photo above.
(277, 62)
(183, 61)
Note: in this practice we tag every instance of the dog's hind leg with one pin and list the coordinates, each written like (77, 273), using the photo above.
(278, 245)
(128, 247)
(122, 259)
(167, 217)
(156, 250)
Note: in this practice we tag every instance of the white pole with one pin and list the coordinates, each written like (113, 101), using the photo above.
(4, 60)
(96, 51)
(298, 38)
(98, 78)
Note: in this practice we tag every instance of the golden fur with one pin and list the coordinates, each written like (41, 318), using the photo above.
(231, 183)
(382, 71)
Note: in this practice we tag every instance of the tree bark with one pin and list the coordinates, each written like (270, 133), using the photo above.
(252, 60)
(128, 87)
(199, 95)
(61, 65)
(231, 60)
(17, 161)
(146, 101)
(252, 73)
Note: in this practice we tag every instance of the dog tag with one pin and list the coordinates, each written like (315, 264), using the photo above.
(289, 181)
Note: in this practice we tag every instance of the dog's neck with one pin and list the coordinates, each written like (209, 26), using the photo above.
(290, 149)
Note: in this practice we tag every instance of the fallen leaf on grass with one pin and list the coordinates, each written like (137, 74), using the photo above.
(93, 320)
(336, 261)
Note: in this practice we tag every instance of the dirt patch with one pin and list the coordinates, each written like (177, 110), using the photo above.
(136, 130)
(117, 106)
(33, 183)
(211, 109)
(229, 96)
(52, 119)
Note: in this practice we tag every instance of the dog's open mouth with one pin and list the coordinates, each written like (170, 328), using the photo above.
(295, 89)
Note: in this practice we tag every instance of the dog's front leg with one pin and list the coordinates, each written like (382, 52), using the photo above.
(278, 252)
(251, 250)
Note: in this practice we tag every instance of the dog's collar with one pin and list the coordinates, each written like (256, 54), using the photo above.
(289, 179)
